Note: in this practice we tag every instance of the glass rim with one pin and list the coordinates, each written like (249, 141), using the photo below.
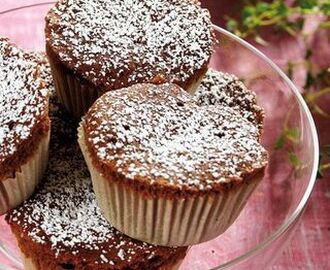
(290, 221)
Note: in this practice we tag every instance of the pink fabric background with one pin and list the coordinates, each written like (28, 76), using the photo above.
(310, 245)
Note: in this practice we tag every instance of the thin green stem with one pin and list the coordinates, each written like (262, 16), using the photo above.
(325, 166)
(313, 97)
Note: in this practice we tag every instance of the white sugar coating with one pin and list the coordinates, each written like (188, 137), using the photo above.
(64, 212)
(45, 73)
(161, 133)
(23, 98)
(226, 89)
(107, 41)
(68, 216)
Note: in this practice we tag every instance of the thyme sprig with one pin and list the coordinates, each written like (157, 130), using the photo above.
(324, 160)
(255, 17)
(258, 16)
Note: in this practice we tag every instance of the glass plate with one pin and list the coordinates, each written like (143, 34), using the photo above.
(272, 213)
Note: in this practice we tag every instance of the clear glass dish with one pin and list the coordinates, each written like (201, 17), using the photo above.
(273, 211)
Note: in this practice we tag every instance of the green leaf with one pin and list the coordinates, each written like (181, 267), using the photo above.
(307, 4)
(262, 7)
(294, 160)
(283, 9)
(320, 173)
(248, 12)
(322, 167)
(279, 144)
(293, 134)
(290, 70)
(300, 23)
(278, 14)
(232, 25)
(310, 80)
(325, 8)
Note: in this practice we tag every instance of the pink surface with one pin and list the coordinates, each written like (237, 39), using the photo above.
(310, 246)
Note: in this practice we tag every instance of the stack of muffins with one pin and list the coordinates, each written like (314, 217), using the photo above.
(167, 151)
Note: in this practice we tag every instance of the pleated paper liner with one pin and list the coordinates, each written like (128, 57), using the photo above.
(76, 96)
(162, 221)
(13, 191)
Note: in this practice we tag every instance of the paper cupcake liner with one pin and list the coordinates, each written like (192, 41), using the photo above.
(163, 221)
(195, 84)
(28, 263)
(13, 191)
(76, 96)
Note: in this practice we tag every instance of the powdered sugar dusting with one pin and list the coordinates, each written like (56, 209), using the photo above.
(161, 133)
(23, 98)
(218, 88)
(64, 212)
(131, 41)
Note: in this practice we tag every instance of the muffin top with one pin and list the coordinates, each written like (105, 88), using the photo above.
(63, 215)
(157, 138)
(23, 107)
(119, 43)
(218, 88)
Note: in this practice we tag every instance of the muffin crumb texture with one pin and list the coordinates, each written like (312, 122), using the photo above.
(218, 88)
(131, 41)
(23, 99)
(162, 135)
(64, 212)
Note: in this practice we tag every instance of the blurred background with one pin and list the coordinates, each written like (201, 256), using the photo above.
(295, 34)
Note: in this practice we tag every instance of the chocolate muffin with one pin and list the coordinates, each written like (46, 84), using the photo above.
(61, 226)
(166, 170)
(95, 46)
(218, 88)
(24, 125)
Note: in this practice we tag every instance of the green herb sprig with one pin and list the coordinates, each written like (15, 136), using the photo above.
(256, 17)
(324, 161)
(288, 140)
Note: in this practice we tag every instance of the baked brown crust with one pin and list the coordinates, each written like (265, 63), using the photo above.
(157, 140)
(61, 226)
(219, 88)
(24, 120)
(106, 56)
(45, 258)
